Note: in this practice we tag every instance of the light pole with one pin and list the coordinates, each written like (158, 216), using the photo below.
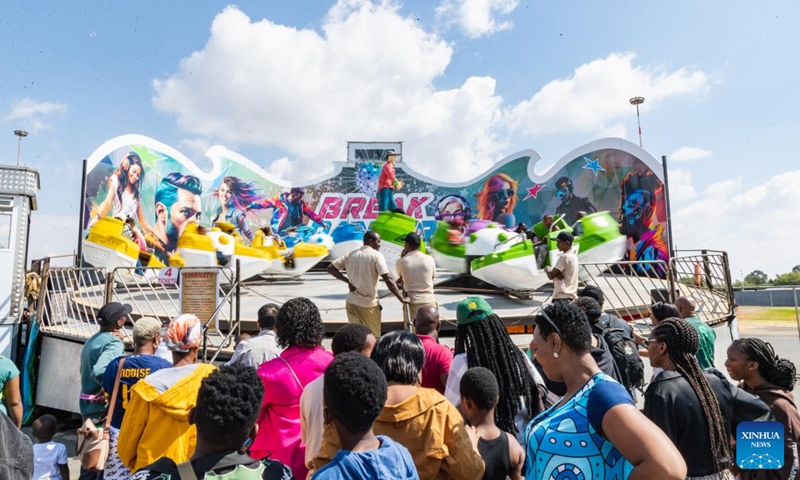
(638, 101)
(21, 134)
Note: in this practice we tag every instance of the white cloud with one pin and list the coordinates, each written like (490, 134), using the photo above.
(368, 74)
(281, 168)
(477, 17)
(596, 95)
(688, 154)
(194, 147)
(30, 113)
(757, 225)
(681, 188)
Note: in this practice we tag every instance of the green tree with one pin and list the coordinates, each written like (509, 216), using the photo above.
(796, 269)
(756, 277)
(791, 278)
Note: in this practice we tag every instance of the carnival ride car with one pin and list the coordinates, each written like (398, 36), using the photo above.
(508, 260)
(107, 246)
(221, 245)
(393, 228)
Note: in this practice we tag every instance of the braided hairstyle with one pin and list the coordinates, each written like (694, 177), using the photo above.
(776, 370)
(682, 343)
(487, 344)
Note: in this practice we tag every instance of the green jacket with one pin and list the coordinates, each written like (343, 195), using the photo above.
(97, 353)
(705, 354)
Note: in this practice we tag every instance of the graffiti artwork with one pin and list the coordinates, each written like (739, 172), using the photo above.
(162, 191)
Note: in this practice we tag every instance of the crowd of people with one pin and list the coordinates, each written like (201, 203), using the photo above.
(402, 405)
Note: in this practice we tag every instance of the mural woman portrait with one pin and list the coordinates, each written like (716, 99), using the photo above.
(124, 198)
(498, 198)
(235, 196)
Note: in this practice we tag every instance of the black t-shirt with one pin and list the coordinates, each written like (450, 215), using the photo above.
(219, 463)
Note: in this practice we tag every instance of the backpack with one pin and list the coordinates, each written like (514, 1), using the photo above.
(626, 356)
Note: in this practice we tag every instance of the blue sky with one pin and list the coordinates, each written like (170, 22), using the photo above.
(466, 81)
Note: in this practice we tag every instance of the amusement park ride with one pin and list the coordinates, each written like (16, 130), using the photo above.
(465, 228)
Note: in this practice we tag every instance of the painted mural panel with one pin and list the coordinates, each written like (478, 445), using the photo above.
(161, 190)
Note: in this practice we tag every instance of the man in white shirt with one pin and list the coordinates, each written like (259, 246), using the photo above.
(564, 273)
(416, 272)
(364, 267)
(264, 346)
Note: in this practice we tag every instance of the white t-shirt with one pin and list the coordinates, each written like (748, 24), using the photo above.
(312, 419)
(128, 207)
(417, 271)
(567, 264)
(46, 459)
(364, 267)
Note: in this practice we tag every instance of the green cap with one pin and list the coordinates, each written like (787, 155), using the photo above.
(465, 309)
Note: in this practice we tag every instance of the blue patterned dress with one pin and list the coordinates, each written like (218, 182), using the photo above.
(564, 444)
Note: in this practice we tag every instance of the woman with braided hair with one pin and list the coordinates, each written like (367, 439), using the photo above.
(687, 402)
(753, 362)
(594, 431)
(482, 341)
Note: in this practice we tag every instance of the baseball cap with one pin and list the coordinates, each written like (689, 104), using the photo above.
(111, 312)
(565, 237)
(472, 309)
(146, 328)
(184, 333)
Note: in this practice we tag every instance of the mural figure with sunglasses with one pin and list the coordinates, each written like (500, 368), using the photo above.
(571, 205)
(497, 199)
(455, 210)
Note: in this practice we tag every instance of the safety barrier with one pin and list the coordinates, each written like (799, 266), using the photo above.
(71, 297)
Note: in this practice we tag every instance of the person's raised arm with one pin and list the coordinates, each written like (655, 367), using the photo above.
(643, 444)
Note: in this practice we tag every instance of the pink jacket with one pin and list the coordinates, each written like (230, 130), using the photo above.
(279, 421)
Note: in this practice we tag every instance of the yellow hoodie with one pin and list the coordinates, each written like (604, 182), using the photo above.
(156, 422)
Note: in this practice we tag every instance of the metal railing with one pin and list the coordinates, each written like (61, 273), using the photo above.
(631, 287)
(705, 275)
(71, 297)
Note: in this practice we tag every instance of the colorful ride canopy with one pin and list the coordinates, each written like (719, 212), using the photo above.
(161, 190)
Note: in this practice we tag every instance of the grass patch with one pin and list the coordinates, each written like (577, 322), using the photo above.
(779, 314)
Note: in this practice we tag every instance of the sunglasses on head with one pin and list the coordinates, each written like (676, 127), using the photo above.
(543, 313)
(504, 194)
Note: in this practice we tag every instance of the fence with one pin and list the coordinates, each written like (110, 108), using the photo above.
(767, 297)
(773, 316)
(71, 298)
(631, 287)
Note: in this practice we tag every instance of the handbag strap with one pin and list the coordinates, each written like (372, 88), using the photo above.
(114, 393)
(302, 388)
(186, 471)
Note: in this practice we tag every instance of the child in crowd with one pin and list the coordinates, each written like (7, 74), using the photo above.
(355, 391)
(501, 452)
(49, 457)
